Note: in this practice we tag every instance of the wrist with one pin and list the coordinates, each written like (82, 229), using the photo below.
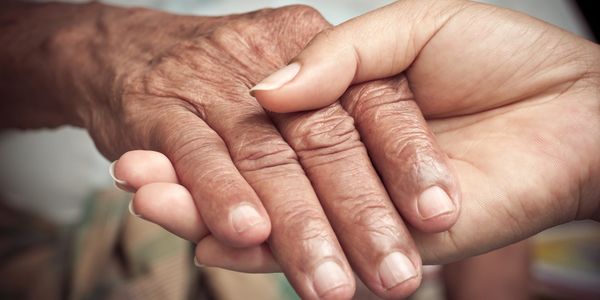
(84, 76)
(97, 55)
(42, 79)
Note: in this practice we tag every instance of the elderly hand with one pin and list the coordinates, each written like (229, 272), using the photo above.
(514, 102)
(180, 86)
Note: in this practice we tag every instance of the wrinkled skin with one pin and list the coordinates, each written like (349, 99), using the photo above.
(515, 105)
(179, 85)
(183, 90)
(513, 101)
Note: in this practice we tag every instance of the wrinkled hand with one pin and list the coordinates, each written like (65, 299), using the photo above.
(181, 87)
(514, 103)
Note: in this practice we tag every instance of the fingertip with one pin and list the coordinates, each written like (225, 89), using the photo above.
(247, 226)
(331, 281)
(132, 210)
(170, 206)
(434, 210)
(140, 167)
(323, 73)
(115, 178)
(399, 276)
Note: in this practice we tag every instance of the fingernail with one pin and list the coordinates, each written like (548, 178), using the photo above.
(131, 211)
(395, 269)
(328, 277)
(244, 217)
(111, 171)
(277, 79)
(434, 202)
(197, 264)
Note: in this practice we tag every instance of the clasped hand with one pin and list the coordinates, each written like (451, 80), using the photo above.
(503, 114)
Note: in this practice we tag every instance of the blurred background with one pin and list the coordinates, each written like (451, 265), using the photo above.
(55, 190)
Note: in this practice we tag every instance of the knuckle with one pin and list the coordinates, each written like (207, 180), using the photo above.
(235, 32)
(327, 130)
(408, 146)
(301, 219)
(371, 212)
(416, 156)
(366, 100)
(245, 47)
(259, 152)
(375, 218)
(305, 14)
(222, 178)
(199, 165)
(298, 25)
(186, 148)
(367, 209)
(325, 137)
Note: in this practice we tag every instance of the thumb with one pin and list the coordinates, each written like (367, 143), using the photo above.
(379, 44)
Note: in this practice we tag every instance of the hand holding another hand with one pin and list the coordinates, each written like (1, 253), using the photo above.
(514, 102)
(511, 100)
(303, 180)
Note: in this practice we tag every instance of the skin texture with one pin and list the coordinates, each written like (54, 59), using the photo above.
(513, 102)
(506, 140)
(141, 79)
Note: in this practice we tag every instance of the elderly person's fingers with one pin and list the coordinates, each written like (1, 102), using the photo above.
(228, 204)
(371, 231)
(301, 238)
(158, 196)
(171, 206)
(416, 172)
(381, 250)
(257, 259)
(161, 200)
(137, 168)
(379, 44)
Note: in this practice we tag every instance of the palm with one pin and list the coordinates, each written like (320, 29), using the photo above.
(512, 103)
(522, 169)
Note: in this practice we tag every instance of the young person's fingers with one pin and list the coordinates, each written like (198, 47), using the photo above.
(379, 44)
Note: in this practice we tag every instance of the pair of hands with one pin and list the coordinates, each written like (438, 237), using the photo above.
(513, 104)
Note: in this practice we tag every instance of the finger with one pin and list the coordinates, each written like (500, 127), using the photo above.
(257, 259)
(338, 57)
(172, 207)
(229, 206)
(368, 226)
(301, 237)
(140, 167)
(416, 172)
